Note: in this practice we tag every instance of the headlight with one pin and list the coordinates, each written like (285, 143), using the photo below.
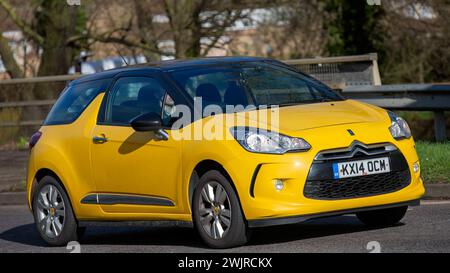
(399, 128)
(261, 141)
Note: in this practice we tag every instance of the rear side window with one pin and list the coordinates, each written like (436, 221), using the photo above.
(133, 96)
(74, 100)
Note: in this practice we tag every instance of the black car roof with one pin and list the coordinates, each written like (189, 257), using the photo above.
(168, 66)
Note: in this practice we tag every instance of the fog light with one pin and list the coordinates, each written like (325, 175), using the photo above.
(279, 185)
(416, 167)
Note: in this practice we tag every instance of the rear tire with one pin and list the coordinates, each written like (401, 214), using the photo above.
(217, 213)
(384, 217)
(53, 213)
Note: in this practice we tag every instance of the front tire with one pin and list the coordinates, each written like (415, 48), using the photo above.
(217, 213)
(53, 213)
(384, 217)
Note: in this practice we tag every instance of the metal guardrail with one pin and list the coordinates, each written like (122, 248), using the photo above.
(46, 79)
(340, 59)
(338, 72)
(22, 123)
(20, 117)
(417, 97)
(31, 81)
(27, 103)
(408, 97)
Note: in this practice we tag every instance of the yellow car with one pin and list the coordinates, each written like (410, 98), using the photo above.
(229, 144)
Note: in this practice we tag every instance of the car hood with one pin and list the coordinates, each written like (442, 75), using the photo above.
(317, 115)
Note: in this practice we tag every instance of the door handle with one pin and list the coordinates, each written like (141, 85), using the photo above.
(99, 139)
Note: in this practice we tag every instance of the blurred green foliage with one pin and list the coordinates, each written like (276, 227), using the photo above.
(434, 160)
(354, 27)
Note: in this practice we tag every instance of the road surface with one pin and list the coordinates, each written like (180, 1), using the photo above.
(13, 169)
(424, 229)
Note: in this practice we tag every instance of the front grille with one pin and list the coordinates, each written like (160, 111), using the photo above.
(356, 150)
(354, 187)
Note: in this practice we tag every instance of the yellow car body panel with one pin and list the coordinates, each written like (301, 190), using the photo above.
(85, 168)
(293, 168)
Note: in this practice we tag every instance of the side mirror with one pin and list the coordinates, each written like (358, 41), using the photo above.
(147, 122)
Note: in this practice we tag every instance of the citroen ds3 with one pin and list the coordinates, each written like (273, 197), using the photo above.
(110, 150)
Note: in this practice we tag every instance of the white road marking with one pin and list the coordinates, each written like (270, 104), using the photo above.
(434, 202)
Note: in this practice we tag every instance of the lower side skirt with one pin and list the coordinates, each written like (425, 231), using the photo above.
(301, 218)
(251, 223)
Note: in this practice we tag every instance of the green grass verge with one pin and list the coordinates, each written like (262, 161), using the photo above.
(422, 124)
(435, 161)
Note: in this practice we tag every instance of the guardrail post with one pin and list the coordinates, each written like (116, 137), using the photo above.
(439, 126)
(375, 70)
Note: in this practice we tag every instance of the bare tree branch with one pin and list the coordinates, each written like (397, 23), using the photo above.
(26, 29)
(123, 40)
(7, 57)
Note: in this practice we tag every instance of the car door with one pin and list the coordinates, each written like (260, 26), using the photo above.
(134, 171)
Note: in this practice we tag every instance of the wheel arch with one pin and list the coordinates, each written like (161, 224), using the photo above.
(200, 169)
(40, 174)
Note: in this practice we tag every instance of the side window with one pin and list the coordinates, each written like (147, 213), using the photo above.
(216, 86)
(74, 100)
(133, 96)
(272, 85)
(217, 81)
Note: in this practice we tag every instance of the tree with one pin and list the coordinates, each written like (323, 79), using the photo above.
(194, 27)
(292, 29)
(354, 27)
(51, 30)
(12, 68)
(417, 41)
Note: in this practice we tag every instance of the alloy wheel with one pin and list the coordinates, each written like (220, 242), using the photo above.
(215, 210)
(50, 211)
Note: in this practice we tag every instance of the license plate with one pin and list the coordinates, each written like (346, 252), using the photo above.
(361, 167)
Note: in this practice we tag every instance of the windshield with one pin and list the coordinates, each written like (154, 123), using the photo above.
(252, 83)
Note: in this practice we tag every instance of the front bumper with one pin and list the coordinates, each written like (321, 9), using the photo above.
(263, 205)
(302, 218)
